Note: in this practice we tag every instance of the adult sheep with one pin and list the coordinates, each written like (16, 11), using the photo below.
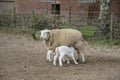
(68, 37)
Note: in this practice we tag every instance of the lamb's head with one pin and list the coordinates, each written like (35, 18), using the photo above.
(45, 34)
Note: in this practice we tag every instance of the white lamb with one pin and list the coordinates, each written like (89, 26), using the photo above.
(64, 53)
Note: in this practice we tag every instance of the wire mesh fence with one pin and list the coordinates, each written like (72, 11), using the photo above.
(76, 20)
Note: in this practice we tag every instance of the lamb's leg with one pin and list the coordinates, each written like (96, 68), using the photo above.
(60, 60)
(74, 59)
(55, 58)
(48, 55)
(64, 59)
(68, 62)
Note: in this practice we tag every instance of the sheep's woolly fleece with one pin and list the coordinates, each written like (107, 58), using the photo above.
(59, 37)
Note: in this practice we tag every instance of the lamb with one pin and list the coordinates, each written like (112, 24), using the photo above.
(64, 53)
(69, 37)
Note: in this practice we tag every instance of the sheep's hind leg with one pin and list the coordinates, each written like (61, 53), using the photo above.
(81, 57)
(79, 46)
(78, 60)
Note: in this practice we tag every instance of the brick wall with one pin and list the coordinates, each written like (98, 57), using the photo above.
(29, 5)
(78, 10)
(25, 6)
(115, 7)
(6, 7)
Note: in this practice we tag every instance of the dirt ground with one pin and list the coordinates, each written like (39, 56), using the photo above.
(22, 58)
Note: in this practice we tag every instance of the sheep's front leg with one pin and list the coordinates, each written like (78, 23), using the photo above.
(48, 55)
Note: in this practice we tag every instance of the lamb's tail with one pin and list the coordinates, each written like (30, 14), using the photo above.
(57, 50)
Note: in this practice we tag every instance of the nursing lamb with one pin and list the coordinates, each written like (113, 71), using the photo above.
(58, 37)
(64, 53)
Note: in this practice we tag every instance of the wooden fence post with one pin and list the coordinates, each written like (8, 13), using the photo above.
(101, 22)
(111, 28)
(69, 18)
(14, 17)
(46, 11)
(33, 19)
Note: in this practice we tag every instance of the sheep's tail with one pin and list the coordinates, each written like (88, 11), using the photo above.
(85, 46)
(84, 42)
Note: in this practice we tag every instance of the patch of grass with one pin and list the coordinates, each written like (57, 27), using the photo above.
(99, 43)
(115, 42)
(88, 31)
(104, 42)
(36, 35)
(65, 25)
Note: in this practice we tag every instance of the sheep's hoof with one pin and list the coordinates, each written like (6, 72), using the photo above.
(50, 61)
(61, 65)
(83, 62)
(54, 64)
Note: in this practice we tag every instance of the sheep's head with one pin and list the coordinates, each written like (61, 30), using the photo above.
(45, 34)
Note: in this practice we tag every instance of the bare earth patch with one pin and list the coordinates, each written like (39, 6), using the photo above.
(22, 58)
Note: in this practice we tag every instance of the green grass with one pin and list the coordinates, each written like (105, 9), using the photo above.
(65, 25)
(115, 42)
(88, 31)
(104, 42)
(99, 43)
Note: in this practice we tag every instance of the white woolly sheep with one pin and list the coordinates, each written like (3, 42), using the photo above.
(69, 37)
(64, 53)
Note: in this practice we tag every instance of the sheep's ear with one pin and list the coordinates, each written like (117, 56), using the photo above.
(48, 32)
